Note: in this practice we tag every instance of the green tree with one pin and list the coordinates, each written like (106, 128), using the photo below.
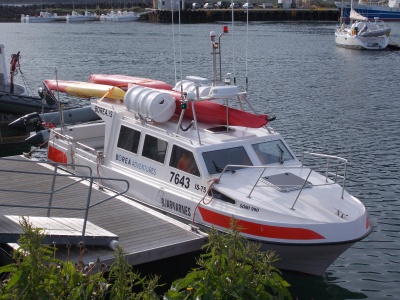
(231, 268)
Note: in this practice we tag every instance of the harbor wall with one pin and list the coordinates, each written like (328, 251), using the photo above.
(13, 14)
(260, 15)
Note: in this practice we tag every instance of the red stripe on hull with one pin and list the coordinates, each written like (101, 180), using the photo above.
(267, 231)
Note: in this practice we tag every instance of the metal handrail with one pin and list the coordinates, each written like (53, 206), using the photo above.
(342, 161)
(327, 172)
(52, 190)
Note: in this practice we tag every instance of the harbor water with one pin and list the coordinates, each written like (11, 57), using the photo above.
(326, 99)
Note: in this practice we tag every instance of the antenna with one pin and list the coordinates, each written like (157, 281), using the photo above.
(233, 45)
(60, 107)
(247, 45)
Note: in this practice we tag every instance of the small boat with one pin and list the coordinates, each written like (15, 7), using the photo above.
(206, 174)
(14, 98)
(43, 17)
(386, 10)
(40, 123)
(120, 16)
(362, 34)
(77, 17)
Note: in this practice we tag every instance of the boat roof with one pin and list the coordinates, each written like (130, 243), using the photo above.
(207, 135)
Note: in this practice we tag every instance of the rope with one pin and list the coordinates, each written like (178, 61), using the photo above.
(213, 181)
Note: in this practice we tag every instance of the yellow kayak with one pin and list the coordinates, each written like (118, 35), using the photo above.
(85, 89)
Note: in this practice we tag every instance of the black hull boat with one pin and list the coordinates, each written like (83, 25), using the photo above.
(14, 98)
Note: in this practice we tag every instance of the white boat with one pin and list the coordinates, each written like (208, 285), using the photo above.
(362, 33)
(206, 174)
(120, 16)
(15, 98)
(44, 17)
(77, 17)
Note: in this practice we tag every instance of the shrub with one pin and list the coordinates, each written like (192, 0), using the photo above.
(231, 268)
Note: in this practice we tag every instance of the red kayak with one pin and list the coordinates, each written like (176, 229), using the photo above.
(122, 81)
(206, 111)
(214, 113)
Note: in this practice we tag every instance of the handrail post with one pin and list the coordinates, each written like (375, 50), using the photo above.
(87, 209)
(254, 186)
(344, 179)
(327, 170)
(53, 184)
(302, 187)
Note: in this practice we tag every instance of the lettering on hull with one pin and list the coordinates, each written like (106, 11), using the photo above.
(135, 164)
(175, 206)
(103, 111)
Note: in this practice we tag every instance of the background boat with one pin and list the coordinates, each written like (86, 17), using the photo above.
(387, 10)
(16, 101)
(120, 16)
(362, 33)
(43, 17)
(77, 17)
(296, 72)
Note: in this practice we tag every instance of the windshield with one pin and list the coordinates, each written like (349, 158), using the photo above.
(272, 152)
(217, 160)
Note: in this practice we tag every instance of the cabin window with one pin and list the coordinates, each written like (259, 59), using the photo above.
(154, 148)
(272, 152)
(183, 160)
(128, 139)
(217, 160)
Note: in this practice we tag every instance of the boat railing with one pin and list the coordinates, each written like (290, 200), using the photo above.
(56, 188)
(332, 172)
(334, 167)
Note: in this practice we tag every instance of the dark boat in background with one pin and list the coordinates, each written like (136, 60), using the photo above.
(15, 101)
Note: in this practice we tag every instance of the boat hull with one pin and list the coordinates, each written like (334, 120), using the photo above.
(22, 105)
(358, 42)
(312, 259)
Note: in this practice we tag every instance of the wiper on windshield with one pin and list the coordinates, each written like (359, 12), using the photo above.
(281, 160)
(218, 169)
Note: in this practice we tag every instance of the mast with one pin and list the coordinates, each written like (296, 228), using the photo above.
(13, 67)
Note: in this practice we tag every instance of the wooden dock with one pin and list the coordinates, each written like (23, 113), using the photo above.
(144, 234)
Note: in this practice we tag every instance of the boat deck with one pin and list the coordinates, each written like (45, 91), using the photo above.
(144, 234)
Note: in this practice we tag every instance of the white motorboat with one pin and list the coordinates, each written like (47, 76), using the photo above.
(43, 17)
(362, 33)
(179, 161)
(77, 17)
(120, 16)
